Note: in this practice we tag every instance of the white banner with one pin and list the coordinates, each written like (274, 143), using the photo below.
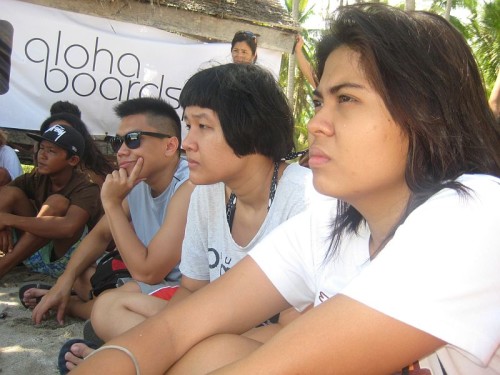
(94, 63)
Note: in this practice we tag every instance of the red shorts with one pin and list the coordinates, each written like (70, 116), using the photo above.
(166, 292)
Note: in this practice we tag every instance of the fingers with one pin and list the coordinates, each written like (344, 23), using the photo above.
(61, 312)
(121, 176)
(38, 313)
(136, 171)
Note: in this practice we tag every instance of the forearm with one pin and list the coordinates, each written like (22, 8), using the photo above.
(132, 250)
(306, 68)
(180, 295)
(228, 305)
(53, 227)
(91, 248)
(494, 100)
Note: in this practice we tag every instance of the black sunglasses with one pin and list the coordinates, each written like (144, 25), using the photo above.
(132, 140)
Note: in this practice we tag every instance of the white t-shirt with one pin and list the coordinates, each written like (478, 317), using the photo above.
(208, 250)
(439, 273)
(10, 161)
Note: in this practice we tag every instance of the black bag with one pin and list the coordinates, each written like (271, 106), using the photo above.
(109, 269)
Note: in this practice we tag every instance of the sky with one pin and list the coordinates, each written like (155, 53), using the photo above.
(321, 8)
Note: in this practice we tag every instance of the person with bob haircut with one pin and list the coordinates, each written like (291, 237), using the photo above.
(240, 128)
(244, 47)
(401, 263)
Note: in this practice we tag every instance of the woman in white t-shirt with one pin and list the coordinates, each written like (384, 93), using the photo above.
(403, 266)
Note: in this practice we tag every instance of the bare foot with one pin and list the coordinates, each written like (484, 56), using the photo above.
(33, 296)
(76, 355)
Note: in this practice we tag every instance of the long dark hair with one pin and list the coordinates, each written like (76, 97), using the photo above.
(427, 76)
(93, 158)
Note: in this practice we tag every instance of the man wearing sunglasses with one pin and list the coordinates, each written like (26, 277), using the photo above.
(145, 203)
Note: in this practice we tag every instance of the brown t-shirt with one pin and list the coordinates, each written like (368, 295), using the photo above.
(79, 190)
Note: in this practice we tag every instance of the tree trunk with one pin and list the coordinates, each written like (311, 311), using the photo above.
(291, 60)
(448, 10)
(409, 4)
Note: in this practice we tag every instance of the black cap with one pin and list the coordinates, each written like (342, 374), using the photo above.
(63, 136)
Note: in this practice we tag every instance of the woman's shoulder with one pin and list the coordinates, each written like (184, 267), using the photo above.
(476, 200)
(480, 182)
(476, 187)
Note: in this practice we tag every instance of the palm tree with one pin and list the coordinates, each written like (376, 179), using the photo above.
(481, 29)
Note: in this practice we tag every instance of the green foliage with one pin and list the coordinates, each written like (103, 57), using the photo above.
(27, 168)
(302, 96)
(481, 29)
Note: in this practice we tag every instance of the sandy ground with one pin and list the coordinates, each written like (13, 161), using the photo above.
(25, 348)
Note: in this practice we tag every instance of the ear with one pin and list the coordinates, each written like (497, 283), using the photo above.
(74, 160)
(172, 146)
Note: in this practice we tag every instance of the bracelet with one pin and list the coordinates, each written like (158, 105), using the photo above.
(122, 349)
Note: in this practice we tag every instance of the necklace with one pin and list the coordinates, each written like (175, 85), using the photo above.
(231, 202)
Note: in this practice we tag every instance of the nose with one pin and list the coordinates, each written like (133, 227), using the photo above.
(187, 143)
(41, 153)
(123, 150)
(321, 123)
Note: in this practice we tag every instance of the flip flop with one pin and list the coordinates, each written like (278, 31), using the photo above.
(25, 287)
(90, 335)
(61, 361)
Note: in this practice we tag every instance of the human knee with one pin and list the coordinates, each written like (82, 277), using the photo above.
(107, 304)
(13, 194)
(4, 176)
(55, 205)
(15, 201)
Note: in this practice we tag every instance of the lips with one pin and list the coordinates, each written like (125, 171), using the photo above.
(125, 164)
(317, 157)
(192, 163)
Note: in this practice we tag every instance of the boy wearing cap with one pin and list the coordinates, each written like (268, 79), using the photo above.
(44, 214)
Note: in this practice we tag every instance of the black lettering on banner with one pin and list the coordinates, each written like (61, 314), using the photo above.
(73, 69)
(6, 40)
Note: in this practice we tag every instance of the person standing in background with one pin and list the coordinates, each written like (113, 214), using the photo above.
(244, 47)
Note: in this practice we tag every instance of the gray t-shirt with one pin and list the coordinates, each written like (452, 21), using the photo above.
(209, 250)
(148, 213)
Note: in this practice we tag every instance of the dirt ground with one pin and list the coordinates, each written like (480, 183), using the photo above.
(25, 348)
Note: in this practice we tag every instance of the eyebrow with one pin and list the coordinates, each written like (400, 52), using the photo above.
(334, 89)
(198, 116)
